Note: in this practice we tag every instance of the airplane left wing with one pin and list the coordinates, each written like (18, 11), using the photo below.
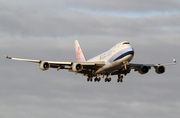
(144, 68)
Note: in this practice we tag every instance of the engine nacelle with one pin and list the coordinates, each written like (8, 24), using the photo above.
(77, 67)
(44, 65)
(143, 69)
(160, 69)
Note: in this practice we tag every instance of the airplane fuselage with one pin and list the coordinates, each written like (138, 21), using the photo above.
(115, 58)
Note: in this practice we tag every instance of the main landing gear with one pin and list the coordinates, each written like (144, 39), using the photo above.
(95, 79)
(120, 78)
(108, 79)
(89, 79)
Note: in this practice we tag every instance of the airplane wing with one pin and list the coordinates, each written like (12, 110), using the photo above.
(38, 61)
(84, 68)
(144, 68)
(133, 65)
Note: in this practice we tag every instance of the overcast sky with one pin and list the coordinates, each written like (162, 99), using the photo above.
(46, 30)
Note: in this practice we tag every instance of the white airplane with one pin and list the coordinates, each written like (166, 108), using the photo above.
(112, 62)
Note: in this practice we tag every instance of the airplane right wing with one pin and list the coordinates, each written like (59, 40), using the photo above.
(84, 68)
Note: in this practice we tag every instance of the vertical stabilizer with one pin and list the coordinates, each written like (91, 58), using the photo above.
(79, 53)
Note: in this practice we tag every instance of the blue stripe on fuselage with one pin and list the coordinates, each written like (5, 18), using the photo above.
(130, 52)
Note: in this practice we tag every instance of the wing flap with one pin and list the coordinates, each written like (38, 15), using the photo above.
(60, 63)
(97, 63)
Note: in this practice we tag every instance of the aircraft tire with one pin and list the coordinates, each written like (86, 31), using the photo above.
(99, 79)
(96, 79)
(106, 80)
(109, 79)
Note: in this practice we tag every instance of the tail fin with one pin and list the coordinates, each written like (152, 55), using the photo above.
(79, 53)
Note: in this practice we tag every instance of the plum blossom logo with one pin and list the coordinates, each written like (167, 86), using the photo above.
(78, 53)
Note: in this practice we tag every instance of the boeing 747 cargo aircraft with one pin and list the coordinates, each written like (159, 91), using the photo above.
(115, 61)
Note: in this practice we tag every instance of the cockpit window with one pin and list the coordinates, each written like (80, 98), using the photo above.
(125, 43)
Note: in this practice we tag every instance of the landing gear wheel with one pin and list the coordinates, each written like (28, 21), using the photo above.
(106, 79)
(89, 79)
(120, 78)
(99, 79)
(96, 79)
(109, 79)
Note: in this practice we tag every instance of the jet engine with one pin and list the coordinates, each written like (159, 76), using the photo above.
(44, 65)
(143, 69)
(77, 67)
(160, 69)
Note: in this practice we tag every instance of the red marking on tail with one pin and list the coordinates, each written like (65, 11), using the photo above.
(78, 53)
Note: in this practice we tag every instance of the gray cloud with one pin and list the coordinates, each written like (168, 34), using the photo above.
(36, 20)
(125, 6)
(48, 25)
(113, 5)
(47, 29)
